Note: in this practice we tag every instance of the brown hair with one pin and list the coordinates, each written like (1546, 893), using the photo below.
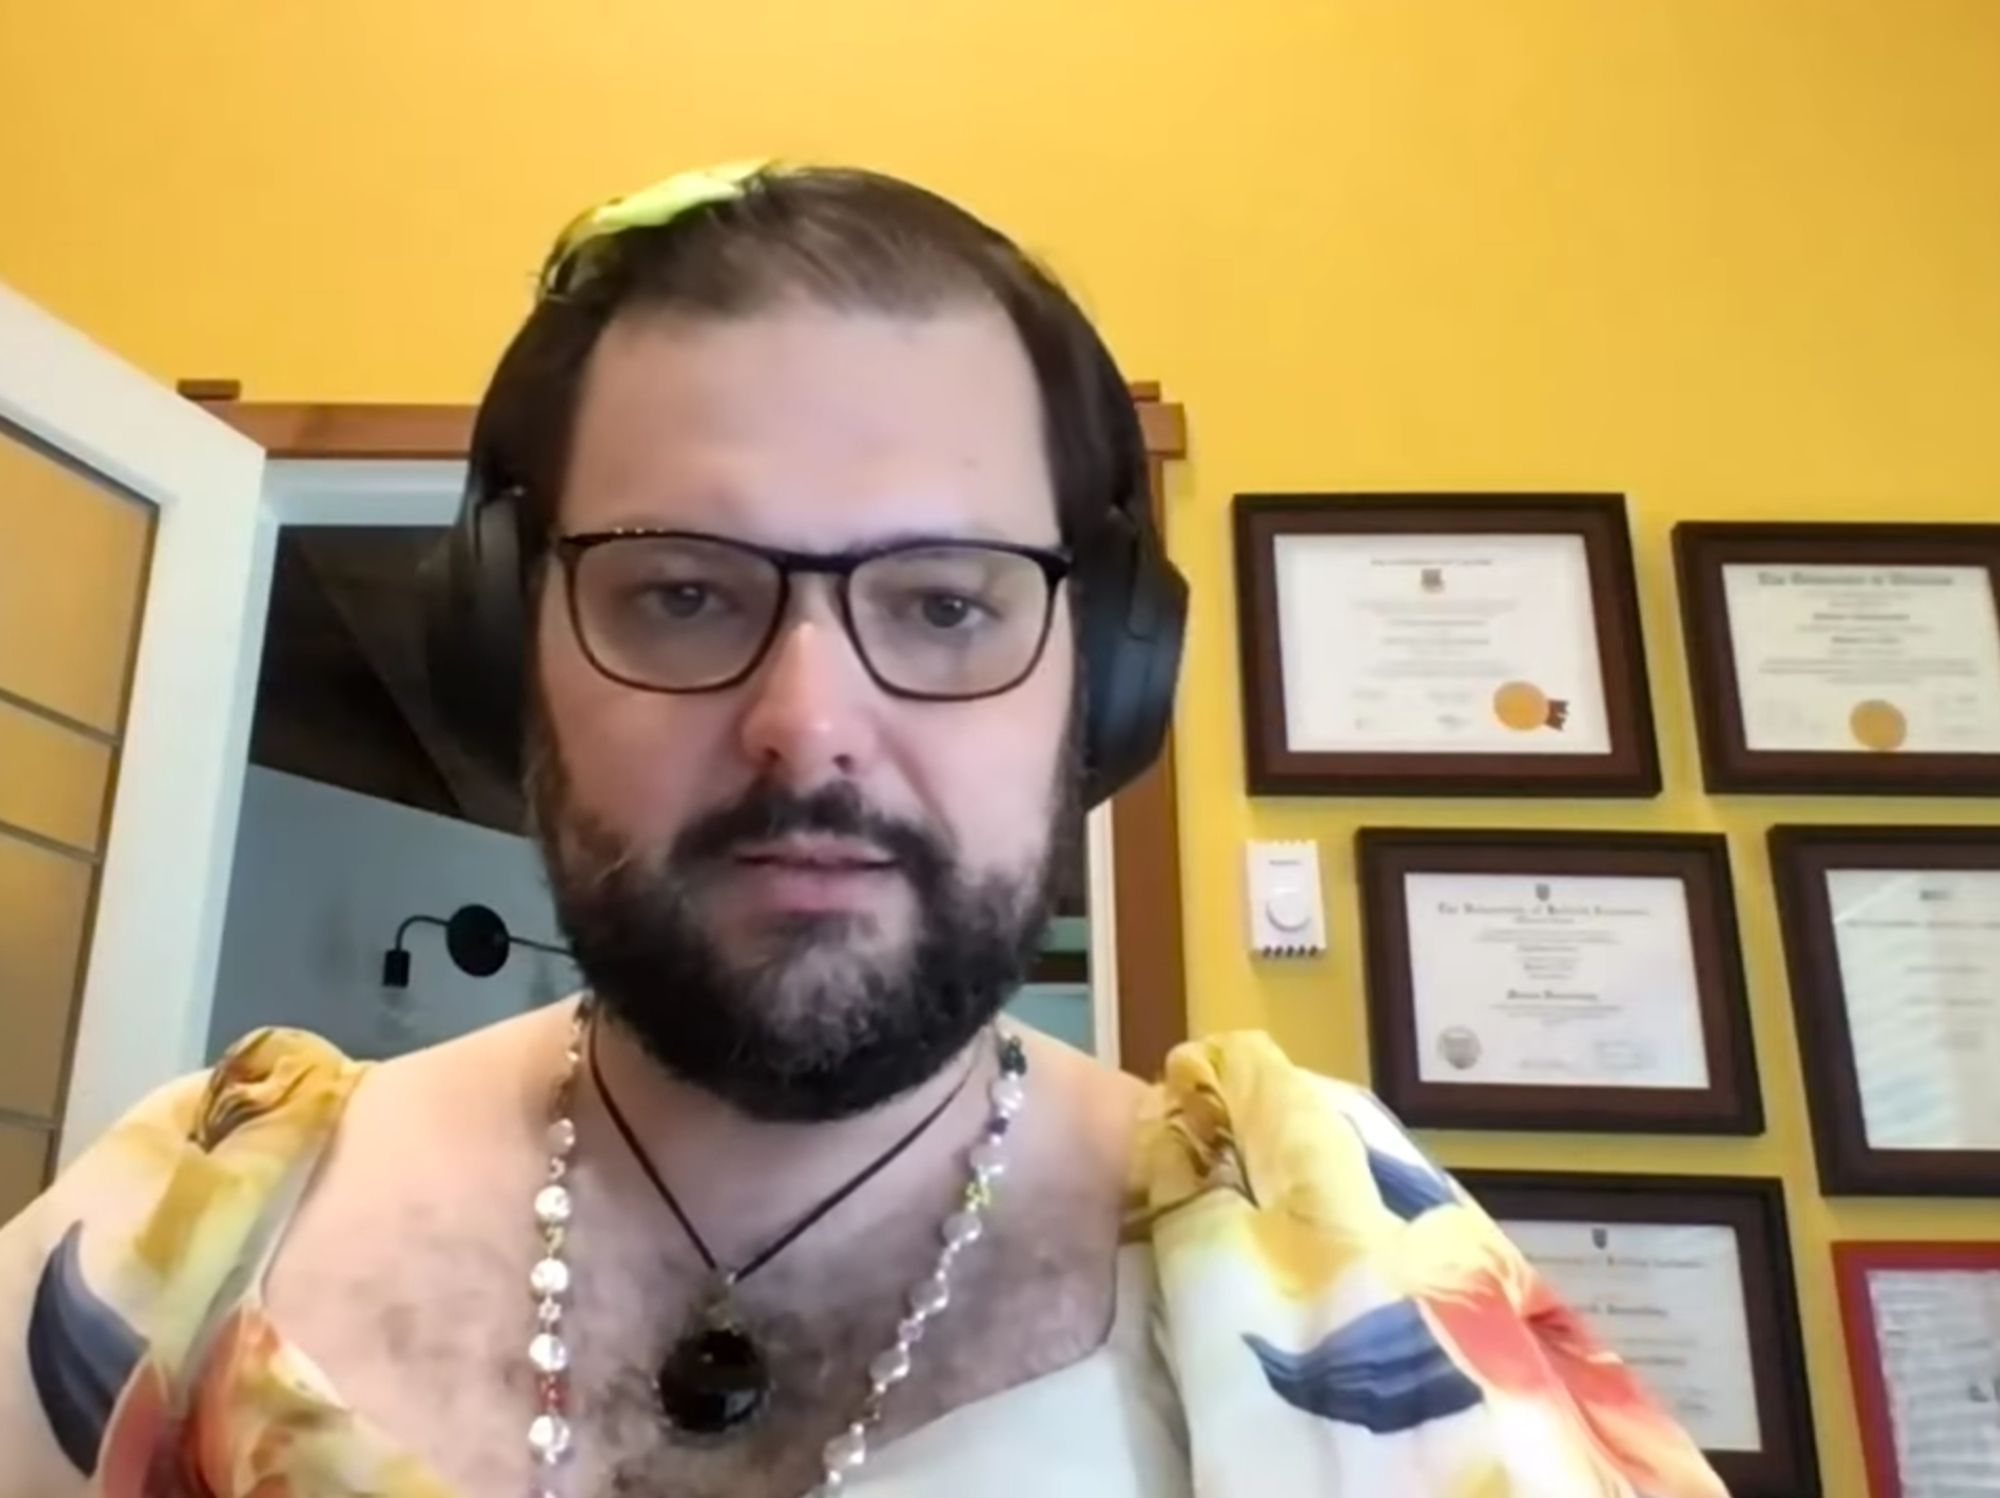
(846, 239)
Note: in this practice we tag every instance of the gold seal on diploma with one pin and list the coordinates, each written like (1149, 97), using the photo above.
(1524, 707)
(1879, 725)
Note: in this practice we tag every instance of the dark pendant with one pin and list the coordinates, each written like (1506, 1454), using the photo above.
(714, 1381)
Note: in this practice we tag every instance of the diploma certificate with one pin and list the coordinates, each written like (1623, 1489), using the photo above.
(1919, 956)
(1860, 659)
(1578, 981)
(1937, 1332)
(1441, 644)
(1668, 1299)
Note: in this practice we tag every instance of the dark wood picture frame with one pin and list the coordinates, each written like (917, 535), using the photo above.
(1800, 859)
(1754, 1207)
(1703, 548)
(1631, 768)
(1852, 1264)
(1731, 1103)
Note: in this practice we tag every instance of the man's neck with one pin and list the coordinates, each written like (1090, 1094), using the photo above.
(743, 1181)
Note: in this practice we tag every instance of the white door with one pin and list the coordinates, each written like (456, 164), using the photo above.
(127, 787)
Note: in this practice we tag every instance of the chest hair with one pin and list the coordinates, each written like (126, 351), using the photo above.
(1023, 1307)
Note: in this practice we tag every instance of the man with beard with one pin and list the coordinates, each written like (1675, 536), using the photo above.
(805, 575)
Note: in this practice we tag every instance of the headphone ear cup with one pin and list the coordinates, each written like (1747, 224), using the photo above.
(1132, 620)
(475, 630)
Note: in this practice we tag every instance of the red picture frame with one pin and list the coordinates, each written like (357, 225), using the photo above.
(1852, 1264)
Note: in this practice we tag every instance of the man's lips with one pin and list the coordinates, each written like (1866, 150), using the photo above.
(816, 856)
(813, 876)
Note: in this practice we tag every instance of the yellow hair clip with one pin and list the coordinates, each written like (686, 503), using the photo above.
(648, 208)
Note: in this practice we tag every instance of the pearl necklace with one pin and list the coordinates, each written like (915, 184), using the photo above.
(551, 1437)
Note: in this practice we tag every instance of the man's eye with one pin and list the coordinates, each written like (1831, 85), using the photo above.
(945, 612)
(681, 600)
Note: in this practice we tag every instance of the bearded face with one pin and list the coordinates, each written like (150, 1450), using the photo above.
(800, 888)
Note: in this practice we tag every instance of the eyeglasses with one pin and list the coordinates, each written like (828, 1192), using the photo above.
(678, 611)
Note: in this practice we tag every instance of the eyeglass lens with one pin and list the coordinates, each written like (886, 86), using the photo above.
(683, 614)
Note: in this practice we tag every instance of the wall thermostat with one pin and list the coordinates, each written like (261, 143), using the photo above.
(1287, 915)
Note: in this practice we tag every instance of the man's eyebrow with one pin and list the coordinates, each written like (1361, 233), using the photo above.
(917, 535)
(975, 532)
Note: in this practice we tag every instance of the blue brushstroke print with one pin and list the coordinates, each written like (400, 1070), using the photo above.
(1409, 1189)
(1383, 1371)
(80, 1354)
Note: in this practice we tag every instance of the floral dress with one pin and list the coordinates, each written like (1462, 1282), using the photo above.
(1338, 1318)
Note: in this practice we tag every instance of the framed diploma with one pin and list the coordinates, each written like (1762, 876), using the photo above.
(1846, 659)
(1441, 644)
(1689, 1280)
(1892, 942)
(1923, 1348)
(1555, 980)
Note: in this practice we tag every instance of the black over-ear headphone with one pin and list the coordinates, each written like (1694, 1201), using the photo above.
(1130, 599)
(1131, 617)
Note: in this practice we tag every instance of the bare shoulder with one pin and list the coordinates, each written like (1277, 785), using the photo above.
(418, 1125)
(1085, 1113)
(499, 1071)
(1079, 1076)
(403, 1250)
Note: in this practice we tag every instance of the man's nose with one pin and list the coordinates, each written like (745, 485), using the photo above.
(810, 717)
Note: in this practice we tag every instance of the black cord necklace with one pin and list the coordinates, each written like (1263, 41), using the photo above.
(715, 1379)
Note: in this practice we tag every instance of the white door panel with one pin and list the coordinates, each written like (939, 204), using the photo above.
(151, 964)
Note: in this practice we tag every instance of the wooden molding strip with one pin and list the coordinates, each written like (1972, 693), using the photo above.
(1152, 956)
(333, 430)
(1165, 426)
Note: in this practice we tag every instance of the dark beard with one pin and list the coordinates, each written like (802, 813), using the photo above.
(763, 1032)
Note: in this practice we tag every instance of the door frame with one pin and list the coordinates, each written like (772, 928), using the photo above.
(155, 931)
(1137, 956)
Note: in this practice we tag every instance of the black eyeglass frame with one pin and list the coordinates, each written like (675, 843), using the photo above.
(1056, 566)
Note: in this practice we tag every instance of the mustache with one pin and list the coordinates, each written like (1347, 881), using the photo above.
(768, 811)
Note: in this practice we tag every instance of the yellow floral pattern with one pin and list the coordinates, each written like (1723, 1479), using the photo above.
(1306, 1249)
(1339, 1318)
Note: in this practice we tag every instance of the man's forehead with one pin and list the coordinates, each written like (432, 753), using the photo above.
(846, 423)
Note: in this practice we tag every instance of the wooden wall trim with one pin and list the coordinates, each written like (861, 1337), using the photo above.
(1146, 883)
(1146, 859)
(1164, 424)
(314, 429)
(1146, 873)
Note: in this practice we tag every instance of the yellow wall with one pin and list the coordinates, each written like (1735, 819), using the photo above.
(1734, 257)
